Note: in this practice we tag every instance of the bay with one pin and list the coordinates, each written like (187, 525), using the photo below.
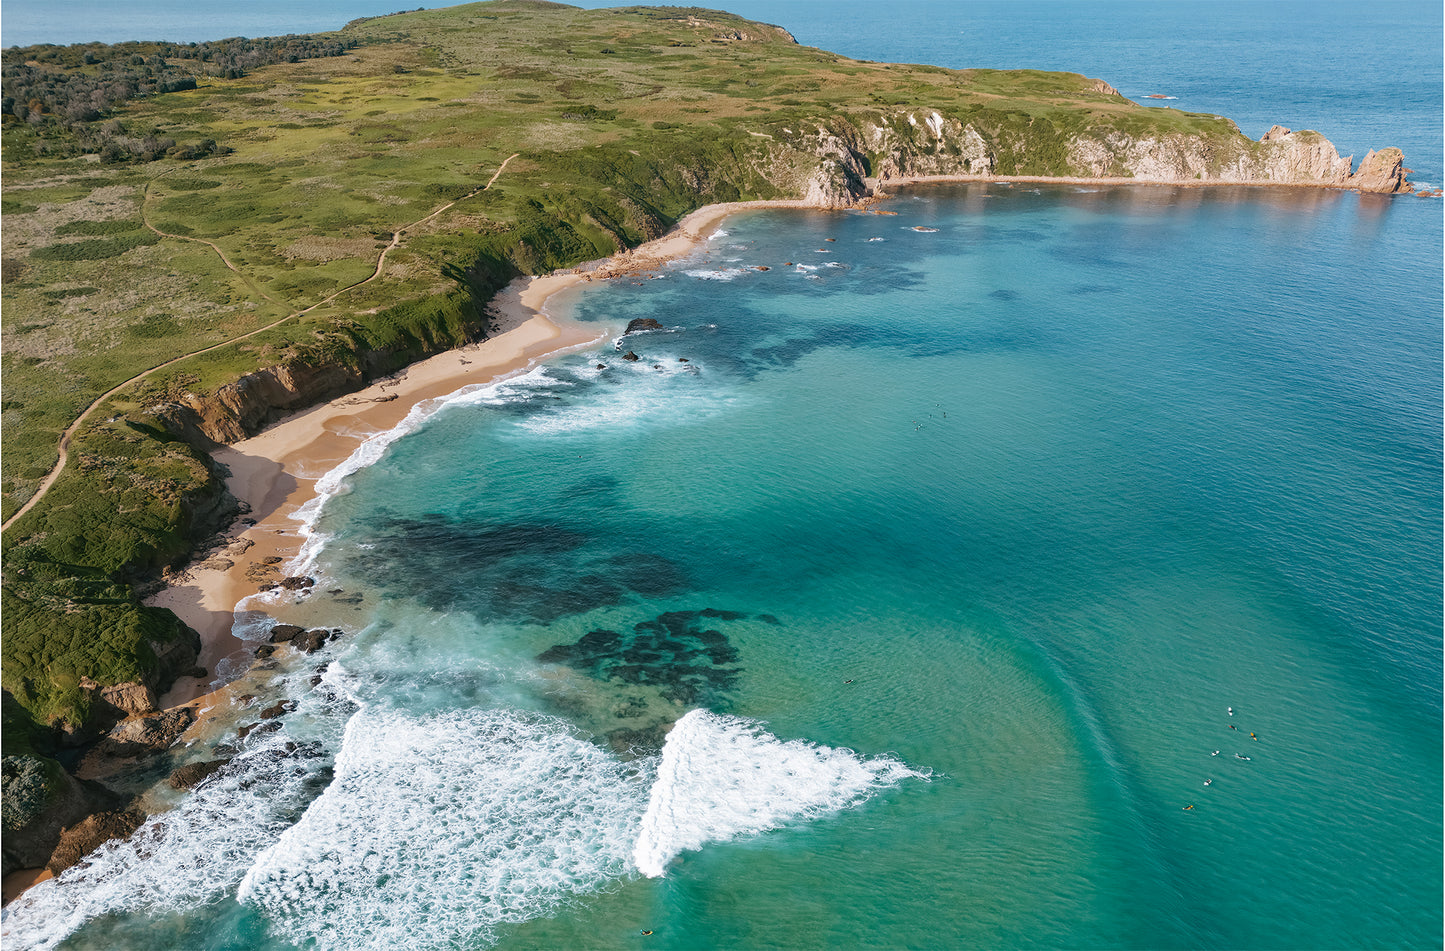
(972, 547)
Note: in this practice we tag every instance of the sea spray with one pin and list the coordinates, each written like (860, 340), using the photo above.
(724, 777)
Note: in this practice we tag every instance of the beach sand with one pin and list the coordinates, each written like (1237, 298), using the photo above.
(275, 472)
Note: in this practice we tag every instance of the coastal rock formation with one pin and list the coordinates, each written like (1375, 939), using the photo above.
(90, 833)
(838, 180)
(192, 775)
(121, 700)
(908, 146)
(642, 323)
(110, 704)
(145, 735)
(1383, 171)
(40, 799)
(284, 632)
(846, 157)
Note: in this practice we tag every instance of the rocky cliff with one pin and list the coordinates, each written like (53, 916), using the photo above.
(243, 408)
(927, 143)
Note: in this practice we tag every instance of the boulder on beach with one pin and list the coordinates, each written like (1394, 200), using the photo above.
(297, 582)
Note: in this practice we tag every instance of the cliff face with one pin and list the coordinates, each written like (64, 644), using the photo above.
(919, 143)
(240, 409)
(1280, 156)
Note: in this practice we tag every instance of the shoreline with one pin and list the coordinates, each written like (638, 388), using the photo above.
(276, 471)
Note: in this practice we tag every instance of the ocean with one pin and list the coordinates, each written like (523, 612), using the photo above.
(1029, 566)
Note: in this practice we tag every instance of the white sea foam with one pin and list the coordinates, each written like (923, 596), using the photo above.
(437, 831)
(718, 274)
(723, 777)
(193, 855)
(637, 404)
(877, 239)
(441, 830)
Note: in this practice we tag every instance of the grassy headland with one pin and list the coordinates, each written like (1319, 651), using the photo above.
(284, 180)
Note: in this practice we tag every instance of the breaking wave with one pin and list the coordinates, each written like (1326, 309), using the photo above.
(439, 830)
(724, 777)
(194, 854)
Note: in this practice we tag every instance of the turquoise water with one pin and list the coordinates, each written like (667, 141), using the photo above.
(909, 611)
(1054, 486)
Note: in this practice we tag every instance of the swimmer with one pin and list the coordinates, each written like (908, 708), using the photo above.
(1233, 727)
(1215, 753)
(847, 681)
(1245, 758)
(1188, 807)
(645, 933)
(1209, 782)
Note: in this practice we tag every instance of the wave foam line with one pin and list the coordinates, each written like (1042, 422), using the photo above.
(718, 274)
(439, 830)
(374, 447)
(723, 777)
(193, 855)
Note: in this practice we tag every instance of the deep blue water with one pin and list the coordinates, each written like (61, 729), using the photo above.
(905, 594)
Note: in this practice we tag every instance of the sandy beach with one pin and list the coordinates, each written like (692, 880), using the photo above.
(275, 472)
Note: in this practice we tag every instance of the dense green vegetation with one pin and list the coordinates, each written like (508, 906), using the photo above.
(128, 168)
(59, 92)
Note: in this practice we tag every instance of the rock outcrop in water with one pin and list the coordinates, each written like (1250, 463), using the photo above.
(642, 323)
(1383, 171)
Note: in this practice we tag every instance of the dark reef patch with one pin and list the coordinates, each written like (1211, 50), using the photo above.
(676, 653)
(532, 571)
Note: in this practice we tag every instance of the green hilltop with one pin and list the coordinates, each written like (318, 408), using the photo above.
(163, 199)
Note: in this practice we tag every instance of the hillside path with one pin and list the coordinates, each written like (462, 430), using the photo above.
(65, 437)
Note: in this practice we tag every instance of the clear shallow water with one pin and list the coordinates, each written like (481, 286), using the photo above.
(1054, 485)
